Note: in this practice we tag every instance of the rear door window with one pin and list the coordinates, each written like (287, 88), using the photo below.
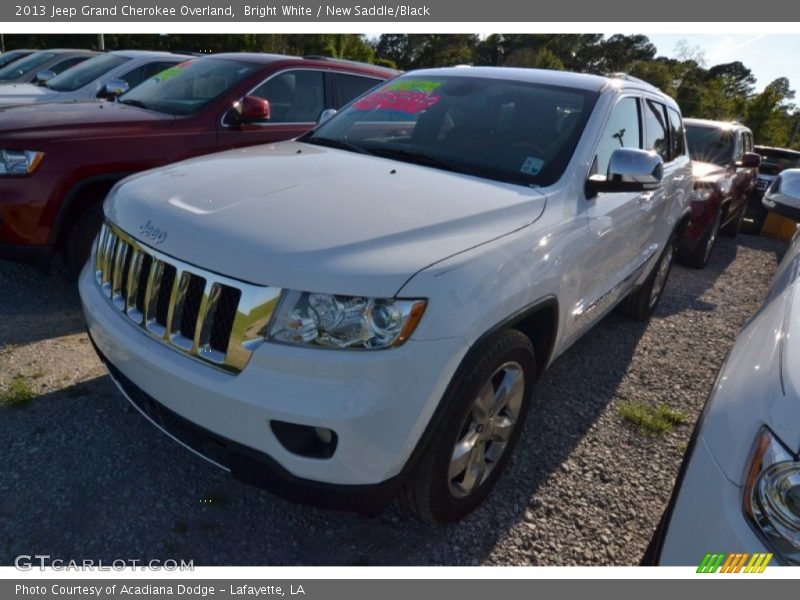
(656, 128)
(352, 86)
(677, 138)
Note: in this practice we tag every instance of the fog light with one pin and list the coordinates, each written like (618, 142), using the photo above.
(305, 440)
(324, 434)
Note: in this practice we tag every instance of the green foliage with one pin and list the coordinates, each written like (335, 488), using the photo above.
(657, 420)
(18, 393)
(725, 91)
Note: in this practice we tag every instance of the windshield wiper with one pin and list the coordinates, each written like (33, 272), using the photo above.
(420, 158)
(334, 143)
(136, 103)
(426, 160)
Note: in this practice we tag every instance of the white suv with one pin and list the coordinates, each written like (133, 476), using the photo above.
(365, 309)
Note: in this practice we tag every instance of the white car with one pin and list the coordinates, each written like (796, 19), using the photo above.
(122, 69)
(366, 309)
(738, 490)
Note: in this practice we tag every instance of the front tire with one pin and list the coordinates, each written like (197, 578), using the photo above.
(484, 415)
(78, 245)
(699, 256)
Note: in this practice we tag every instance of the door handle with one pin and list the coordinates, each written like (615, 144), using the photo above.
(646, 196)
(679, 178)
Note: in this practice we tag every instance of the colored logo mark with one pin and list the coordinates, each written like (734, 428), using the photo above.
(735, 563)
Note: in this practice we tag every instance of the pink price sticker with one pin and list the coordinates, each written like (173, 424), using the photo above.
(410, 102)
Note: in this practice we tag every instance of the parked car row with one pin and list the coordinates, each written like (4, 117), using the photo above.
(348, 306)
(62, 158)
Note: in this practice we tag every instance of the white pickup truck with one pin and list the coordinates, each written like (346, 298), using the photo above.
(364, 311)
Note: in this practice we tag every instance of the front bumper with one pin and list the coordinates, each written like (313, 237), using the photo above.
(705, 515)
(378, 403)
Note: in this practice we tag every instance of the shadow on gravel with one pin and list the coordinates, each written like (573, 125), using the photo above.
(700, 280)
(36, 306)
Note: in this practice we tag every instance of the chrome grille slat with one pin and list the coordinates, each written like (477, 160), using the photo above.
(120, 257)
(151, 299)
(211, 318)
(108, 251)
(176, 304)
(134, 273)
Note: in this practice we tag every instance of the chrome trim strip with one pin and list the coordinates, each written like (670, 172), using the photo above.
(162, 430)
(253, 312)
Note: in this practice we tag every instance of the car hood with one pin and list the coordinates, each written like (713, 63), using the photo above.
(304, 217)
(63, 121)
(24, 93)
(704, 170)
(758, 384)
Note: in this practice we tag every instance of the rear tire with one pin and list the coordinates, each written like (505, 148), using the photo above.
(642, 303)
(484, 414)
(80, 237)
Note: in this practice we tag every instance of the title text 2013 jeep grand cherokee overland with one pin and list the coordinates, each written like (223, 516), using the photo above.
(366, 309)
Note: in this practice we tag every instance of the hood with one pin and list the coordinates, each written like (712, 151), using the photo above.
(317, 219)
(25, 93)
(704, 170)
(77, 119)
(758, 384)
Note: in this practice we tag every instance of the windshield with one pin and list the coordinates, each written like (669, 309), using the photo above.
(774, 161)
(85, 73)
(11, 56)
(710, 145)
(510, 131)
(186, 88)
(23, 66)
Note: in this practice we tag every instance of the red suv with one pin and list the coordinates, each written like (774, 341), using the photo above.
(58, 161)
(724, 167)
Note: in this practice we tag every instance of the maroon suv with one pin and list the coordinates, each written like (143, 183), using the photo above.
(58, 161)
(724, 169)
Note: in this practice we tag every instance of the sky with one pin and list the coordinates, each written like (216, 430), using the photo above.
(768, 56)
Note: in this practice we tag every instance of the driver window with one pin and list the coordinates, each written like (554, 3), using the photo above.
(294, 96)
(622, 131)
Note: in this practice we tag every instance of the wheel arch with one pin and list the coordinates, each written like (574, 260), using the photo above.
(80, 198)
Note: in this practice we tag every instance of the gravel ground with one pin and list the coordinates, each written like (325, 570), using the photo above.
(84, 476)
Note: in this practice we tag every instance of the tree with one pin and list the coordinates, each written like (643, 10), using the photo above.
(771, 115)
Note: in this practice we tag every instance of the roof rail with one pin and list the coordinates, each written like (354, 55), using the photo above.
(346, 61)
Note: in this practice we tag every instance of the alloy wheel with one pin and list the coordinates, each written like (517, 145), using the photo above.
(487, 430)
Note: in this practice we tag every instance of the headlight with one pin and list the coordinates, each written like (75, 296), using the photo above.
(19, 162)
(333, 321)
(772, 496)
(703, 193)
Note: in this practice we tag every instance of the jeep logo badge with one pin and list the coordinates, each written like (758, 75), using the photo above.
(152, 233)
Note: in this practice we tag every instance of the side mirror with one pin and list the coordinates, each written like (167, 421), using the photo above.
(629, 170)
(325, 115)
(783, 196)
(115, 88)
(43, 77)
(249, 109)
(750, 160)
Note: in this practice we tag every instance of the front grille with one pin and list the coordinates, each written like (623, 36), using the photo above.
(207, 316)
